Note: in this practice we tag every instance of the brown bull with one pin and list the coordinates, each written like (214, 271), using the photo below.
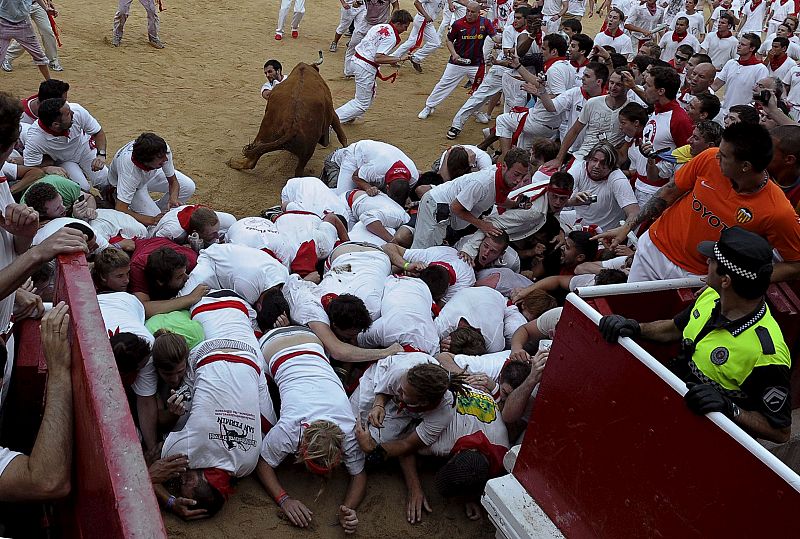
(299, 114)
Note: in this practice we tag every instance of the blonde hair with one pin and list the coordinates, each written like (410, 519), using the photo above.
(322, 443)
(169, 350)
(106, 262)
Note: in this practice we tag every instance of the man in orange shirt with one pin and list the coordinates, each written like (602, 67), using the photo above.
(720, 188)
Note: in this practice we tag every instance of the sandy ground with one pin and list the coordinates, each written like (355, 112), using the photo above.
(201, 94)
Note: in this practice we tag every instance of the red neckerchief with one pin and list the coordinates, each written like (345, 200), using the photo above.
(777, 61)
(141, 165)
(551, 61)
(538, 38)
(501, 190)
(615, 35)
(672, 63)
(185, 214)
(477, 441)
(754, 4)
(26, 106)
(783, 2)
(724, 35)
(652, 10)
(677, 38)
(576, 65)
(670, 105)
(750, 61)
(50, 131)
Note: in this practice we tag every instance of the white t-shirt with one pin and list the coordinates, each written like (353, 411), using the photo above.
(362, 274)
(128, 177)
(380, 39)
(170, 226)
(6, 456)
(484, 309)
(124, 313)
(621, 43)
(560, 77)
(783, 70)
(476, 412)
(310, 194)
(379, 208)
(406, 317)
(734, 10)
(54, 225)
(247, 271)
(792, 80)
(697, 23)
(260, 233)
(641, 17)
(309, 238)
(569, 106)
(462, 273)
(111, 223)
(488, 364)
(374, 159)
(74, 147)
(739, 81)
(720, 50)
(793, 51)
(602, 123)
(755, 18)
(310, 391)
(228, 318)
(669, 46)
(612, 194)
(7, 256)
(270, 85)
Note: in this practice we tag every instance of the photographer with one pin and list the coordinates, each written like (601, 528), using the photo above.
(768, 99)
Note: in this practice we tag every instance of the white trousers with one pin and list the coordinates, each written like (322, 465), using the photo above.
(431, 40)
(452, 76)
(299, 10)
(427, 231)
(650, 264)
(353, 15)
(143, 203)
(80, 170)
(42, 22)
(366, 86)
(492, 83)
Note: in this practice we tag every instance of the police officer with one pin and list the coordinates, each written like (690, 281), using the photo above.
(733, 356)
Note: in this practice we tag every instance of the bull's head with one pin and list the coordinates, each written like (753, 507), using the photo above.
(317, 63)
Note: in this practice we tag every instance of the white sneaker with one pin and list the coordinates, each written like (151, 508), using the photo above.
(424, 113)
(482, 118)
(55, 65)
(6, 66)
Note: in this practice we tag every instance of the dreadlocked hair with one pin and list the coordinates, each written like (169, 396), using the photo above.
(432, 381)
(323, 443)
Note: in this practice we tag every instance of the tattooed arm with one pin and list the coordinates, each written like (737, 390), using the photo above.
(661, 200)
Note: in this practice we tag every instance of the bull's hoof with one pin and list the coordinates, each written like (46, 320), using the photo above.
(240, 163)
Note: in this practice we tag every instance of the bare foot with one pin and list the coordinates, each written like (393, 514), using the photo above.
(473, 510)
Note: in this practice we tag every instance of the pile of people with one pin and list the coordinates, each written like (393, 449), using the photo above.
(391, 308)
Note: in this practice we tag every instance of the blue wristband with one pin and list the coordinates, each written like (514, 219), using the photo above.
(171, 502)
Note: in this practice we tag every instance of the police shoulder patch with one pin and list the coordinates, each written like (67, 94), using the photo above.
(719, 355)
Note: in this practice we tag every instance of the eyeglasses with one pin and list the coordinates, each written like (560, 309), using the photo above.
(681, 58)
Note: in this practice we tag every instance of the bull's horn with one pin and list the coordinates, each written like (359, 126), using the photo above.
(318, 62)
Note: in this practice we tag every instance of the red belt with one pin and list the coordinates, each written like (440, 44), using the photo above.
(418, 42)
(286, 357)
(230, 358)
(226, 304)
(518, 131)
(377, 67)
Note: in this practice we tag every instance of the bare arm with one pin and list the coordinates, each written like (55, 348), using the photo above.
(716, 85)
(348, 353)
(356, 490)
(395, 254)
(785, 271)
(757, 425)
(147, 410)
(45, 474)
(146, 220)
(661, 331)
(569, 140)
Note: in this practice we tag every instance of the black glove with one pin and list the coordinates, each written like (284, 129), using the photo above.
(615, 326)
(704, 398)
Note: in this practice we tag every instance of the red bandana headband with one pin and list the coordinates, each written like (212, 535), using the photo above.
(450, 271)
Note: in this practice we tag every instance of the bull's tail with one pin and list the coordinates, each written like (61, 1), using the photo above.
(256, 149)
(337, 128)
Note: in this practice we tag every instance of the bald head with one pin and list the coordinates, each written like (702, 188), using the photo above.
(473, 12)
(702, 77)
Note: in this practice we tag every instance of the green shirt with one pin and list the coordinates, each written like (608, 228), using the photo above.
(180, 323)
(68, 189)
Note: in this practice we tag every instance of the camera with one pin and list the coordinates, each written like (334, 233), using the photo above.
(592, 199)
(762, 96)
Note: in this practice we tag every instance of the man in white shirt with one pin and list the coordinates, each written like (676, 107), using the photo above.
(459, 274)
(143, 166)
(721, 44)
(316, 423)
(460, 202)
(697, 22)
(73, 138)
(520, 128)
(675, 38)
(370, 53)
(783, 31)
(614, 36)
(423, 38)
(374, 166)
(742, 74)
(752, 18)
(310, 194)
(777, 60)
(273, 70)
(643, 20)
(379, 214)
(178, 223)
(600, 177)
(552, 11)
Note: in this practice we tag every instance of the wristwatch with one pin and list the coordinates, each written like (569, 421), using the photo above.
(101, 153)
(735, 411)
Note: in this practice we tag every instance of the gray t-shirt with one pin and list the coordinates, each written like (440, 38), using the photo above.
(602, 123)
(15, 10)
(377, 11)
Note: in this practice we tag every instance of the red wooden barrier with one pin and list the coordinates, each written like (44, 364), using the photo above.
(112, 495)
(612, 451)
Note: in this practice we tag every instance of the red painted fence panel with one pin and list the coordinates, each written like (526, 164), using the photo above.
(612, 451)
